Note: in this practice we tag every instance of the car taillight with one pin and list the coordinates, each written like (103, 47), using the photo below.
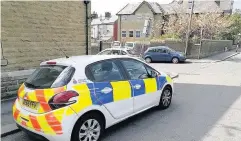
(63, 99)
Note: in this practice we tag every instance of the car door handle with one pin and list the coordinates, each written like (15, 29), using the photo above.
(106, 90)
(137, 86)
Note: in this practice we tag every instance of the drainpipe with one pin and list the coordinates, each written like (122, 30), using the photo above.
(86, 2)
(120, 31)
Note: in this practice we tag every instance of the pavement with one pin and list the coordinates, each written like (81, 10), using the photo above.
(215, 58)
(206, 107)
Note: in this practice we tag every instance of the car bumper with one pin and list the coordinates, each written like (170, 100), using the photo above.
(182, 59)
(46, 132)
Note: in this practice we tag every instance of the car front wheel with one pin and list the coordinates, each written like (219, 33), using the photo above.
(88, 128)
(175, 60)
(166, 98)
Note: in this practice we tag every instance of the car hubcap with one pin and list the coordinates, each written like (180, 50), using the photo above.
(148, 60)
(90, 130)
(175, 60)
(166, 98)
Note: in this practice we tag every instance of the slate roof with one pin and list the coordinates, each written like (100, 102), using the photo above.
(130, 8)
(174, 7)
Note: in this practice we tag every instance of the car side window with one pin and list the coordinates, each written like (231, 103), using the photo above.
(123, 53)
(106, 52)
(135, 69)
(152, 50)
(151, 70)
(115, 52)
(106, 71)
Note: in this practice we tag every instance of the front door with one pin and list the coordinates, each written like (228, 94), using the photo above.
(144, 87)
(111, 88)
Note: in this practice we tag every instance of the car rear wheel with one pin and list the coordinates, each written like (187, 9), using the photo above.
(175, 60)
(88, 128)
(148, 59)
(166, 98)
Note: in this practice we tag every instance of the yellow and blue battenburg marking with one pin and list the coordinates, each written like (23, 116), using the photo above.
(121, 90)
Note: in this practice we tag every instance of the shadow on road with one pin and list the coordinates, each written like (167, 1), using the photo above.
(195, 110)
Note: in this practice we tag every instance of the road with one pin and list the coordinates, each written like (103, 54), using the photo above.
(206, 107)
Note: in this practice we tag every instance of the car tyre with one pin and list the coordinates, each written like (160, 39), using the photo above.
(148, 60)
(166, 98)
(89, 126)
(175, 60)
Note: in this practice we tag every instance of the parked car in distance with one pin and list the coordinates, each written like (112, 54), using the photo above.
(116, 44)
(116, 51)
(130, 45)
(164, 54)
(120, 51)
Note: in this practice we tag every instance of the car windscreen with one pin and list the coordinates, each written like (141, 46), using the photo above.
(49, 77)
(131, 52)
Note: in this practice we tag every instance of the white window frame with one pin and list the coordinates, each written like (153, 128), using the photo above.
(123, 33)
(136, 34)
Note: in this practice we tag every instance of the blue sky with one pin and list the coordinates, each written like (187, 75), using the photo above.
(113, 6)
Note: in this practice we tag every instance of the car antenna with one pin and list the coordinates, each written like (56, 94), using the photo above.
(61, 50)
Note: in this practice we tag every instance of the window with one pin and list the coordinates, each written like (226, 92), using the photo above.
(105, 52)
(123, 52)
(138, 34)
(123, 33)
(115, 52)
(151, 71)
(50, 77)
(131, 34)
(135, 69)
(152, 50)
(106, 71)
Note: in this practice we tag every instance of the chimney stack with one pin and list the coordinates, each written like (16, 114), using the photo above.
(107, 15)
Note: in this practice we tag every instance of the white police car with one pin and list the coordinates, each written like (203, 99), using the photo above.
(77, 98)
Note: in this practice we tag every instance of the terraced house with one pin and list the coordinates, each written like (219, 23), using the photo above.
(143, 20)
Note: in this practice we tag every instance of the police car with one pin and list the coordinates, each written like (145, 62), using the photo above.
(77, 98)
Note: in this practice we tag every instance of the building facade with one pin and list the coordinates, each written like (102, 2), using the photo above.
(35, 31)
(143, 20)
(103, 28)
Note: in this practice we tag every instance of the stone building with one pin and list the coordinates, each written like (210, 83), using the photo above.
(149, 17)
(34, 31)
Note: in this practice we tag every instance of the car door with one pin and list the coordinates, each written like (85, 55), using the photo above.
(112, 88)
(153, 53)
(144, 87)
(166, 54)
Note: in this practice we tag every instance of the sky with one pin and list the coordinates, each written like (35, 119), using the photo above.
(114, 6)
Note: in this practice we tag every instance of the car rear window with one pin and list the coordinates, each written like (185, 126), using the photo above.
(50, 77)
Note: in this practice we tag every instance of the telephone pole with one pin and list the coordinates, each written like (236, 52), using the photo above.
(189, 25)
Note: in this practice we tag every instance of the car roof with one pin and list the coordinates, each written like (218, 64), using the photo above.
(116, 49)
(83, 60)
(159, 47)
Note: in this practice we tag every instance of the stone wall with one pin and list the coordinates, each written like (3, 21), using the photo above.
(11, 81)
(35, 31)
(211, 47)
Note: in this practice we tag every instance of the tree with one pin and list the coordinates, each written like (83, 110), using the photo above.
(210, 23)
